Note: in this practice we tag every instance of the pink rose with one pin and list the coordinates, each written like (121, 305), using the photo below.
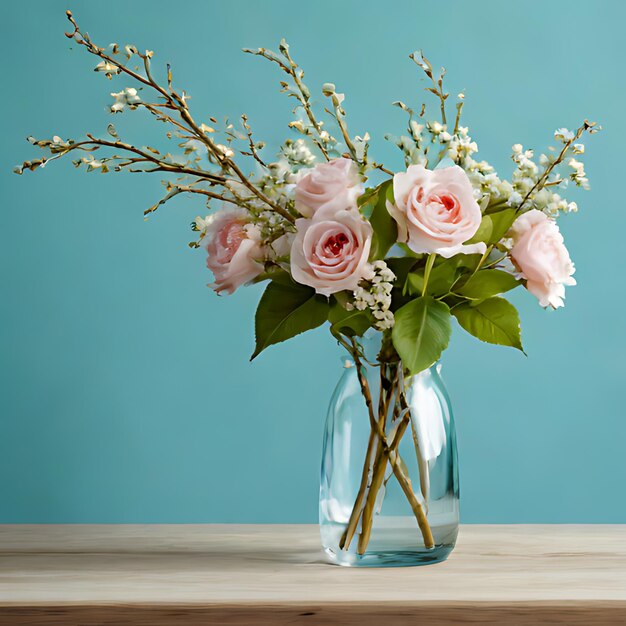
(542, 258)
(234, 252)
(335, 183)
(330, 251)
(436, 210)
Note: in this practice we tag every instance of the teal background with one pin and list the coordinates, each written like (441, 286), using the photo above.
(126, 393)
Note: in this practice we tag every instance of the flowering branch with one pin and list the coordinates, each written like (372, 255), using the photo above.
(402, 258)
(437, 87)
(173, 101)
(254, 147)
(542, 181)
(320, 137)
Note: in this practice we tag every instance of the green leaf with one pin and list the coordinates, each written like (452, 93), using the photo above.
(286, 310)
(484, 231)
(443, 275)
(401, 266)
(275, 274)
(501, 222)
(350, 323)
(373, 205)
(487, 283)
(415, 283)
(421, 332)
(494, 320)
(367, 200)
(389, 193)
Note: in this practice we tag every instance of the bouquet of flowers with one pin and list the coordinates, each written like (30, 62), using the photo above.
(442, 238)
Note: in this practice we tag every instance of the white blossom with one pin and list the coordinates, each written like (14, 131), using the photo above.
(297, 153)
(515, 198)
(225, 150)
(128, 97)
(578, 176)
(281, 172)
(435, 127)
(416, 130)
(201, 224)
(563, 134)
(375, 295)
(107, 68)
(461, 146)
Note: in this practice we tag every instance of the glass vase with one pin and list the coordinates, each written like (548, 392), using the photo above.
(389, 492)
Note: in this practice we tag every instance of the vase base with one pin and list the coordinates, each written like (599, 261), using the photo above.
(390, 558)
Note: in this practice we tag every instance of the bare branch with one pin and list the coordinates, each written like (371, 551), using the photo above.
(437, 88)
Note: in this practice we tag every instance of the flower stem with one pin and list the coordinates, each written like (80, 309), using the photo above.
(357, 509)
(429, 266)
(364, 506)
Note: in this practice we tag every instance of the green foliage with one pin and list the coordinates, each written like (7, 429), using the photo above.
(401, 266)
(421, 332)
(484, 231)
(276, 274)
(494, 320)
(373, 205)
(494, 226)
(349, 323)
(487, 283)
(501, 222)
(443, 276)
(286, 310)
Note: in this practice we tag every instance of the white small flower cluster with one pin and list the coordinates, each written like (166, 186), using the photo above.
(305, 129)
(439, 131)
(525, 174)
(578, 176)
(293, 157)
(128, 97)
(410, 146)
(297, 153)
(270, 227)
(485, 181)
(552, 203)
(482, 175)
(375, 295)
(281, 173)
(461, 145)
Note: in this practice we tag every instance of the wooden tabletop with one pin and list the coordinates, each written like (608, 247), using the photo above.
(244, 574)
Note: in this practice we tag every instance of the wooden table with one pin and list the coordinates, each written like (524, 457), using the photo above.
(227, 575)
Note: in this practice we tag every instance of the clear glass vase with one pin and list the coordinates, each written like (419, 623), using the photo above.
(389, 492)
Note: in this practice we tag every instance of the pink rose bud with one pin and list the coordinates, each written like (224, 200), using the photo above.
(234, 252)
(330, 251)
(436, 211)
(542, 258)
(335, 183)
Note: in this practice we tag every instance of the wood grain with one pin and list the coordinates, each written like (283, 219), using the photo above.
(235, 575)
